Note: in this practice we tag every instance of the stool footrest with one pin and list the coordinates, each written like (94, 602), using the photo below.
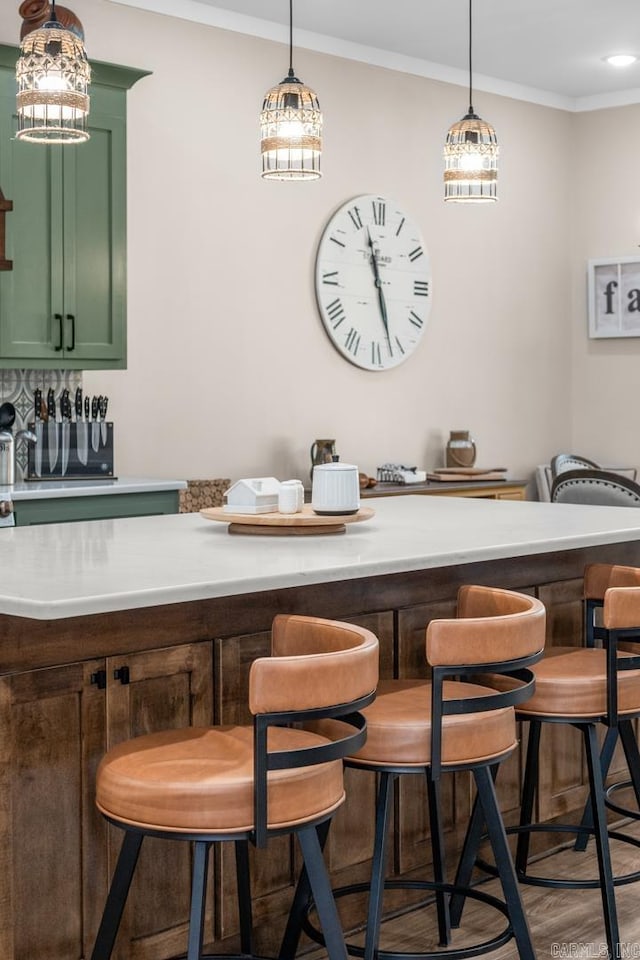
(562, 882)
(624, 811)
(445, 953)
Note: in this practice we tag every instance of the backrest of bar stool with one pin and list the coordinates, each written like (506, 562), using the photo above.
(492, 626)
(497, 629)
(315, 663)
(615, 590)
(319, 668)
(599, 578)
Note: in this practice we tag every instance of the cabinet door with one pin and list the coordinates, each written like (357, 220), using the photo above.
(31, 296)
(94, 242)
(51, 833)
(64, 302)
(164, 689)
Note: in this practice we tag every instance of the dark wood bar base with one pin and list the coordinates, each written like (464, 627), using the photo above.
(69, 689)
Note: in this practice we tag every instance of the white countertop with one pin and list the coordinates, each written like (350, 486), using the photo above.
(65, 570)
(53, 489)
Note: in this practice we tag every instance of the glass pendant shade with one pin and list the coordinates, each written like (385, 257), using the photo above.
(291, 132)
(471, 161)
(53, 77)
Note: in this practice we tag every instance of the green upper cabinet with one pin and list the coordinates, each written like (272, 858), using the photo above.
(63, 304)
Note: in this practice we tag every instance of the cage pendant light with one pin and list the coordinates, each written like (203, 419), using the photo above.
(53, 76)
(471, 154)
(291, 127)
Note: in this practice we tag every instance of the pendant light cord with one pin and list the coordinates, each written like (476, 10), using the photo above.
(291, 73)
(470, 70)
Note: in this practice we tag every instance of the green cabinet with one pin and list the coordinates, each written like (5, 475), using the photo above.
(65, 509)
(63, 305)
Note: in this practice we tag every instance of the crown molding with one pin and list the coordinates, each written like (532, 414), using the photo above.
(204, 13)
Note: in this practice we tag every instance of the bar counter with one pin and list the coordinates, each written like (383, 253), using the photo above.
(68, 570)
(114, 628)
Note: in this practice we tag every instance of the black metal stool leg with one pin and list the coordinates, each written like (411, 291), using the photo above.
(437, 846)
(468, 857)
(117, 897)
(378, 865)
(599, 813)
(198, 894)
(606, 756)
(243, 877)
(322, 894)
(529, 788)
(301, 900)
(632, 756)
(499, 845)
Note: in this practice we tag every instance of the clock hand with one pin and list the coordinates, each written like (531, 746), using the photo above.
(378, 283)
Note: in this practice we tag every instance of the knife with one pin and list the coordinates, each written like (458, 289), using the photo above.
(95, 426)
(82, 428)
(52, 430)
(65, 430)
(103, 426)
(38, 426)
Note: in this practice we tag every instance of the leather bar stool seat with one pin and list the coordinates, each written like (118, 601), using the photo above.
(399, 726)
(245, 784)
(431, 727)
(202, 779)
(572, 682)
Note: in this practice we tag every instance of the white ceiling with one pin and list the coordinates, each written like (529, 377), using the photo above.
(546, 51)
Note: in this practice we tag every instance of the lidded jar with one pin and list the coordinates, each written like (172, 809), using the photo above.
(336, 489)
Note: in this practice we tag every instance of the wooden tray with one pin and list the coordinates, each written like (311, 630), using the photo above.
(306, 523)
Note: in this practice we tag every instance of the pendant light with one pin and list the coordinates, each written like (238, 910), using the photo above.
(53, 76)
(291, 126)
(471, 155)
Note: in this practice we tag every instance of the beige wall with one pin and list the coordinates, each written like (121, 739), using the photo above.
(606, 204)
(230, 372)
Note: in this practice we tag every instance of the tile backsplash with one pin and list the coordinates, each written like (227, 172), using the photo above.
(17, 387)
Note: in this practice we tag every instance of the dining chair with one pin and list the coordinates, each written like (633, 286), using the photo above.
(595, 487)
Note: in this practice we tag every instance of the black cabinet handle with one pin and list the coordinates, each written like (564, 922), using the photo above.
(71, 317)
(100, 679)
(122, 674)
(58, 317)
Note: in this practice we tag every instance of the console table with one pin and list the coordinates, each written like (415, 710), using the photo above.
(487, 489)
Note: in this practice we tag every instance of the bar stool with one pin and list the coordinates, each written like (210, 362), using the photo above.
(584, 687)
(598, 579)
(247, 784)
(416, 727)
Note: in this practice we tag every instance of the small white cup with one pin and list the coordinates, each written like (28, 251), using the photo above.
(289, 499)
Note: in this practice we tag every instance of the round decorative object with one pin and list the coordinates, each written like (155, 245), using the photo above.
(373, 282)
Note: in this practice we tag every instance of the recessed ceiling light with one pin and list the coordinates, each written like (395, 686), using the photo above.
(621, 59)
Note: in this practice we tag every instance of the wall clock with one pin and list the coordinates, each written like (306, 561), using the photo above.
(373, 282)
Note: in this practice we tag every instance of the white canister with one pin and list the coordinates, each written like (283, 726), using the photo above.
(290, 496)
(335, 489)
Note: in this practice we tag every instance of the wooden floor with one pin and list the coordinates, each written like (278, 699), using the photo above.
(565, 924)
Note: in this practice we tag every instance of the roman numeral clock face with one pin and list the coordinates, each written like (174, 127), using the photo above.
(373, 283)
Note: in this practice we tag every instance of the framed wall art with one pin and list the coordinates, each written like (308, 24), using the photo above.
(614, 297)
